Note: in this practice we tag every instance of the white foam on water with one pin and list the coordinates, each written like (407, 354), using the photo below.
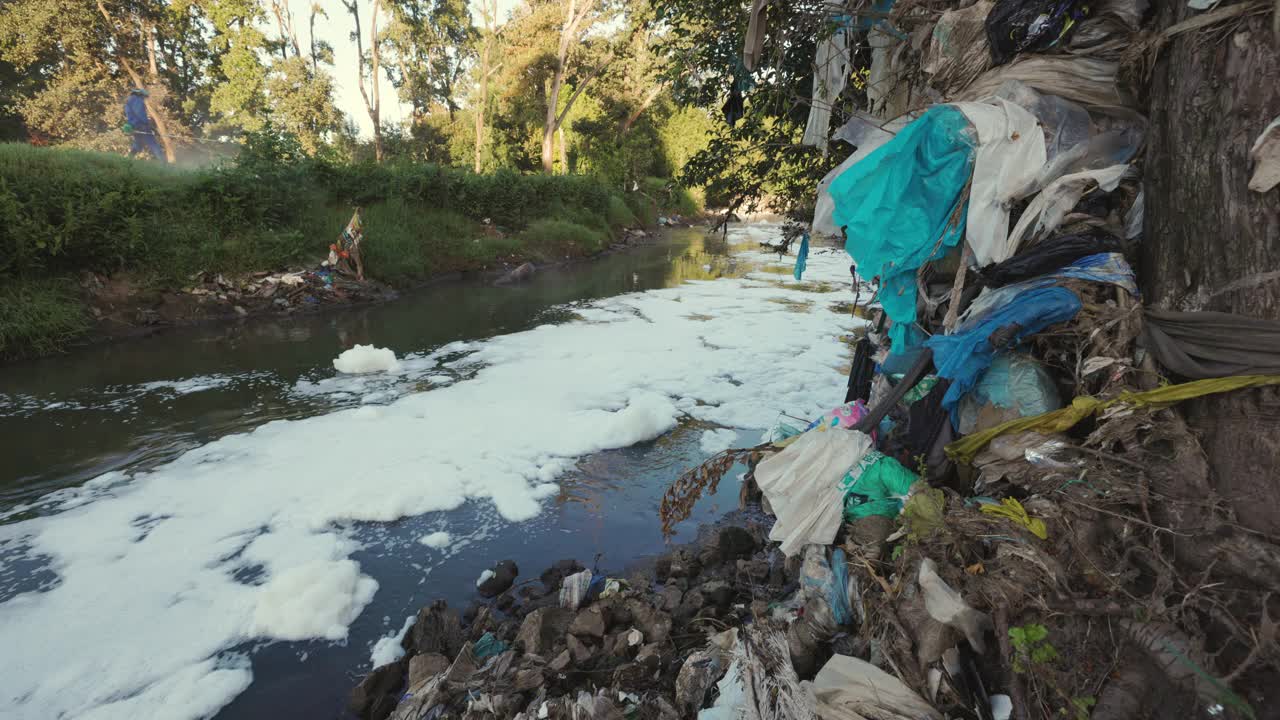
(161, 578)
(388, 649)
(714, 441)
(366, 359)
(189, 385)
(438, 539)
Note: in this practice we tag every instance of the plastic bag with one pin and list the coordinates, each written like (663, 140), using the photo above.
(958, 50)
(802, 485)
(1015, 26)
(865, 134)
(1065, 124)
(1014, 386)
(877, 485)
(946, 606)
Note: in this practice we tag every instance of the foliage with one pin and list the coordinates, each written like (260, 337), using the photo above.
(760, 155)
(40, 316)
(552, 239)
(1031, 646)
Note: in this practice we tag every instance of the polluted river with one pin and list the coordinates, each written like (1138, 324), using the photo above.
(216, 521)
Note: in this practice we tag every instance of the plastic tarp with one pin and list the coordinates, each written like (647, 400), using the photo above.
(964, 356)
(903, 205)
(1086, 80)
(964, 449)
(1047, 210)
(1011, 151)
(847, 688)
(866, 134)
(1212, 344)
(1048, 257)
(831, 72)
(1065, 124)
(958, 50)
(802, 484)
(1014, 386)
(1109, 268)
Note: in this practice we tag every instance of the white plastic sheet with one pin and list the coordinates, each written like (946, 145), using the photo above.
(1011, 151)
(802, 485)
(1047, 210)
(947, 607)
(831, 72)
(847, 688)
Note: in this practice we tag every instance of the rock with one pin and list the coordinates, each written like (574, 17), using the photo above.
(437, 630)
(756, 569)
(690, 605)
(381, 681)
(655, 624)
(578, 649)
(506, 601)
(542, 629)
(589, 621)
(240, 311)
(662, 568)
(684, 564)
(735, 543)
(670, 597)
(521, 273)
(650, 657)
(869, 533)
(699, 672)
(422, 667)
(504, 576)
(529, 679)
(561, 661)
(383, 707)
(554, 576)
(718, 593)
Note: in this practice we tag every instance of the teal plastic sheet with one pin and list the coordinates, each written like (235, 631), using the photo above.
(904, 205)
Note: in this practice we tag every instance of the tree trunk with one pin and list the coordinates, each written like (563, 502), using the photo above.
(376, 110)
(549, 127)
(635, 115)
(1209, 242)
(564, 155)
(490, 22)
(370, 106)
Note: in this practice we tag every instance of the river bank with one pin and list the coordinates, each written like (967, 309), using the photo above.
(85, 232)
(123, 309)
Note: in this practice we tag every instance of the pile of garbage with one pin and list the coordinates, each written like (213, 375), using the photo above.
(283, 291)
(1007, 517)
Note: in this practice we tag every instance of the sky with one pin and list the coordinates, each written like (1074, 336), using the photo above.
(336, 30)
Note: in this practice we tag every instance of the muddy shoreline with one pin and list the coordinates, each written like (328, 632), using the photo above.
(123, 312)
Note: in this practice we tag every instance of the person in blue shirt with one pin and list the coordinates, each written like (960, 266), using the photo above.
(140, 125)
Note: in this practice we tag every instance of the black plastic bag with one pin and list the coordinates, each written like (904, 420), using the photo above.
(1045, 257)
(1015, 26)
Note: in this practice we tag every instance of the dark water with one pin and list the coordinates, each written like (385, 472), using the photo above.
(68, 419)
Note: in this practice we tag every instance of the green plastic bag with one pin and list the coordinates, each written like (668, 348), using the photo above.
(877, 485)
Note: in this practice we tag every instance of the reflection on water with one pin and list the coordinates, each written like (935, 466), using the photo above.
(66, 419)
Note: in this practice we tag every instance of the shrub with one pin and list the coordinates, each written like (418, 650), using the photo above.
(551, 239)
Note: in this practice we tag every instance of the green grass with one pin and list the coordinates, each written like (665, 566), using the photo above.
(40, 316)
(64, 212)
(555, 239)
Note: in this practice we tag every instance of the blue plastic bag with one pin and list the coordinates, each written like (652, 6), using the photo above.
(904, 205)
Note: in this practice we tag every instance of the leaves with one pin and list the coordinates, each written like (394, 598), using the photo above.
(679, 500)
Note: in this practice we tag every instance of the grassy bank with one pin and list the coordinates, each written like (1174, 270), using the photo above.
(64, 212)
